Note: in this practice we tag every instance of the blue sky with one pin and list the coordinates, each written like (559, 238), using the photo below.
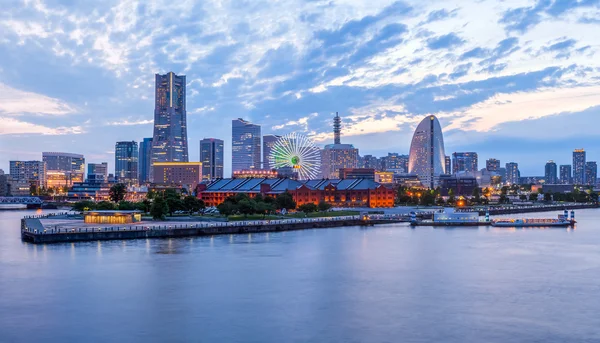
(514, 80)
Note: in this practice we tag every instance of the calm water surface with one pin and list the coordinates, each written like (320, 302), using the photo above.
(379, 284)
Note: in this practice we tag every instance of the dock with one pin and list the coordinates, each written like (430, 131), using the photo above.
(34, 230)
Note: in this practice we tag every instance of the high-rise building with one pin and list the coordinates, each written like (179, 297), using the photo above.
(97, 172)
(370, 161)
(565, 174)
(63, 169)
(126, 162)
(551, 173)
(512, 173)
(178, 174)
(169, 143)
(465, 162)
(492, 165)
(591, 173)
(268, 143)
(145, 161)
(245, 145)
(33, 172)
(448, 165)
(211, 156)
(427, 158)
(337, 155)
(579, 167)
(395, 162)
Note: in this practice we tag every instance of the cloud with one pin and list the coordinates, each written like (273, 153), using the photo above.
(17, 102)
(127, 122)
(13, 126)
(445, 42)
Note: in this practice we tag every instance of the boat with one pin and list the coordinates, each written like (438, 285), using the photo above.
(13, 207)
(561, 221)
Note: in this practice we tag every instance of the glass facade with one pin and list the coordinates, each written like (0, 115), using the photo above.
(63, 168)
(579, 167)
(268, 143)
(212, 156)
(169, 143)
(427, 158)
(144, 161)
(126, 162)
(591, 173)
(245, 145)
(551, 173)
(513, 175)
(565, 174)
(465, 162)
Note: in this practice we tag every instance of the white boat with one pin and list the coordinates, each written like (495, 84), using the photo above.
(534, 222)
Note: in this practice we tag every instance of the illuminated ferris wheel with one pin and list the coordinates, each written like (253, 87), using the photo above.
(298, 152)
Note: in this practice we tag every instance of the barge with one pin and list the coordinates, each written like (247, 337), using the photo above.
(563, 220)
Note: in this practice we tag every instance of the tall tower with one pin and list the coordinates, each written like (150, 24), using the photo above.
(427, 157)
(144, 161)
(126, 162)
(211, 156)
(245, 145)
(169, 143)
(579, 166)
(337, 129)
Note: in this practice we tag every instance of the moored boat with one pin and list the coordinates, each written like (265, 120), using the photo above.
(561, 221)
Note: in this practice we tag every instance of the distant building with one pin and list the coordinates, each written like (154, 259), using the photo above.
(565, 174)
(551, 173)
(385, 178)
(268, 143)
(448, 168)
(97, 171)
(370, 161)
(579, 167)
(460, 185)
(212, 157)
(145, 161)
(492, 165)
(177, 174)
(256, 173)
(357, 173)
(337, 156)
(565, 188)
(126, 162)
(531, 180)
(395, 161)
(33, 172)
(427, 158)
(464, 162)
(3, 184)
(245, 145)
(91, 190)
(169, 142)
(63, 169)
(512, 173)
(591, 173)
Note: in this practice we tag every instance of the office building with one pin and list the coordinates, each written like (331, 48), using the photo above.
(579, 167)
(513, 175)
(370, 161)
(384, 177)
(145, 161)
(169, 142)
(212, 157)
(551, 173)
(591, 173)
(427, 158)
(492, 165)
(337, 155)
(565, 174)
(268, 143)
(245, 145)
(177, 174)
(97, 172)
(357, 173)
(33, 172)
(448, 165)
(126, 163)
(63, 169)
(465, 162)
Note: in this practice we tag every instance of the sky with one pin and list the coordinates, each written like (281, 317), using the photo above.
(515, 80)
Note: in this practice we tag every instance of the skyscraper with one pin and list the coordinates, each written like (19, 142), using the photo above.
(169, 143)
(492, 165)
(144, 161)
(579, 167)
(33, 172)
(512, 173)
(551, 174)
(337, 155)
(63, 169)
(427, 158)
(268, 142)
(465, 162)
(448, 165)
(591, 173)
(126, 162)
(245, 145)
(97, 172)
(565, 174)
(211, 156)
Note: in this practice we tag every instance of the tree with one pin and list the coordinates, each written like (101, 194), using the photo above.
(548, 197)
(159, 208)
(144, 205)
(246, 207)
(308, 208)
(84, 205)
(264, 208)
(126, 206)
(594, 197)
(175, 204)
(523, 197)
(451, 198)
(323, 206)
(227, 208)
(533, 196)
(476, 195)
(117, 192)
(193, 204)
(285, 200)
(105, 205)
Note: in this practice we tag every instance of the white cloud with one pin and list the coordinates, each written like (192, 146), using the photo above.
(128, 122)
(17, 102)
(13, 126)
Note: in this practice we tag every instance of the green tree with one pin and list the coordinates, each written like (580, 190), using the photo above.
(308, 208)
(451, 197)
(548, 197)
(323, 206)
(105, 205)
(193, 204)
(476, 196)
(144, 205)
(523, 197)
(533, 196)
(246, 207)
(117, 192)
(264, 208)
(175, 204)
(126, 206)
(285, 200)
(159, 208)
(227, 208)
(594, 197)
(84, 205)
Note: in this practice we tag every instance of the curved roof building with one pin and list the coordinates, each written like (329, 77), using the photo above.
(427, 155)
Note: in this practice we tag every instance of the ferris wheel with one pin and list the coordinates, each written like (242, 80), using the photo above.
(298, 152)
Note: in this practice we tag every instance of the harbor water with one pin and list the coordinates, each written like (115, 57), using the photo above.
(388, 283)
